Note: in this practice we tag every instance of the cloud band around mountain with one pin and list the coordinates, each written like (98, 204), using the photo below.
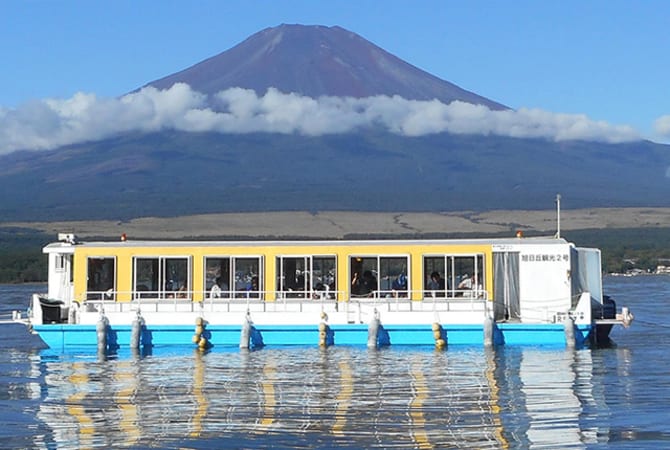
(662, 126)
(48, 124)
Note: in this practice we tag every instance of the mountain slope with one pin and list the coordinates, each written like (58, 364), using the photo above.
(317, 61)
(177, 173)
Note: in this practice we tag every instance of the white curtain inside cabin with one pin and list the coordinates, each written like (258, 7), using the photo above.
(586, 274)
(506, 285)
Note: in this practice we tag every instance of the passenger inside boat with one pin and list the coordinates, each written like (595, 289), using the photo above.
(219, 289)
(400, 283)
(363, 286)
(469, 286)
(183, 291)
(477, 287)
(436, 284)
(215, 292)
(254, 290)
(465, 283)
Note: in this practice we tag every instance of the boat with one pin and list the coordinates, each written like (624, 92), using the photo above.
(377, 292)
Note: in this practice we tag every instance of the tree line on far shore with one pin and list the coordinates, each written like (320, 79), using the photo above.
(22, 260)
(21, 257)
(628, 248)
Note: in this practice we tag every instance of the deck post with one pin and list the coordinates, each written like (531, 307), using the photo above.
(136, 331)
(245, 334)
(101, 332)
(488, 332)
(569, 325)
(373, 330)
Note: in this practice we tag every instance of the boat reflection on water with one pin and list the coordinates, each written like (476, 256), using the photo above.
(339, 396)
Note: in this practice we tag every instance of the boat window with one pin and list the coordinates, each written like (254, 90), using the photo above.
(227, 276)
(101, 282)
(306, 276)
(64, 263)
(437, 271)
(384, 276)
(217, 277)
(248, 280)
(453, 276)
(393, 277)
(324, 275)
(162, 277)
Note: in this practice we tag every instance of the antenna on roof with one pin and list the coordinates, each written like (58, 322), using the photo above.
(558, 216)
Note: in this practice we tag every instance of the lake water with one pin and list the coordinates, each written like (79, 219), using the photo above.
(346, 397)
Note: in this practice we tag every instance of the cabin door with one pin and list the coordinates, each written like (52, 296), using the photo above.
(506, 285)
(61, 286)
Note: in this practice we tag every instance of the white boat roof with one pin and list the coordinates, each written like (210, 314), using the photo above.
(64, 246)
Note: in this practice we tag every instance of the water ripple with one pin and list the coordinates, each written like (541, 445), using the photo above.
(347, 397)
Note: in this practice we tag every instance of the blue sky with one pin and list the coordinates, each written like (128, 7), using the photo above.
(607, 60)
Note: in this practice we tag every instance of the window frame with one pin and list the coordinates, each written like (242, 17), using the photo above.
(231, 278)
(309, 289)
(163, 292)
(60, 264)
(453, 275)
(101, 294)
(378, 292)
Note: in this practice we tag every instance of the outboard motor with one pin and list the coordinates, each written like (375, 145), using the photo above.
(607, 309)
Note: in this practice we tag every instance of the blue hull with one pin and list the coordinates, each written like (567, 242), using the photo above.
(64, 337)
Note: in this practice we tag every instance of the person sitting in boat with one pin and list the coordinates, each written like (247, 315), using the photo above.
(466, 285)
(321, 291)
(219, 289)
(215, 292)
(253, 287)
(436, 284)
(400, 285)
(370, 282)
(169, 289)
(477, 287)
(183, 291)
(363, 286)
(356, 286)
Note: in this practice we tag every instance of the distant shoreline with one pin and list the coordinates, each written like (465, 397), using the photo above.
(629, 238)
(343, 224)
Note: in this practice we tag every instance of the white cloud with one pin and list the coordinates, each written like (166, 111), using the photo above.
(52, 123)
(662, 126)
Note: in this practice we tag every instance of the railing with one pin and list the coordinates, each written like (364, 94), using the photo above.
(8, 317)
(112, 295)
(296, 301)
(546, 311)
